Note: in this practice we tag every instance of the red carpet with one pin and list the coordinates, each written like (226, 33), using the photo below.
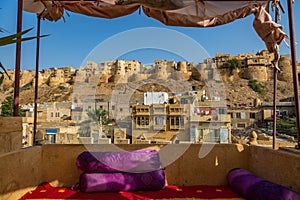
(46, 191)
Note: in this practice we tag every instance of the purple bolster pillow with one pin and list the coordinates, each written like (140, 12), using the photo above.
(110, 182)
(125, 161)
(253, 187)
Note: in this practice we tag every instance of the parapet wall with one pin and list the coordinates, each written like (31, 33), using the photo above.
(10, 134)
(20, 171)
(186, 164)
(279, 166)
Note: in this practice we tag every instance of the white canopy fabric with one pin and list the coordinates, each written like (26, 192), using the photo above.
(188, 13)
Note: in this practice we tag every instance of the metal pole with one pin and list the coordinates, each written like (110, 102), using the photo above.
(18, 61)
(274, 108)
(294, 68)
(36, 77)
(275, 95)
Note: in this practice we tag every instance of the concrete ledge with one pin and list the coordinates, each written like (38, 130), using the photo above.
(278, 166)
(182, 162)
(186, 164)
(291, 150)
(10, 134)
(20, 171)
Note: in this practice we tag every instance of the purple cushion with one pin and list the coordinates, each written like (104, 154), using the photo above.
(108, 182)
(125, 161)
(253, 187)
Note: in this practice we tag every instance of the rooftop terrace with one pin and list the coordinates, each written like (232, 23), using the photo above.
(24, 169)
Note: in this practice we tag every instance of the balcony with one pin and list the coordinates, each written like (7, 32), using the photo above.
(141, 110)
(142, 127)
(177, 127)
(209, 118)
(176, 110)
(159, 109)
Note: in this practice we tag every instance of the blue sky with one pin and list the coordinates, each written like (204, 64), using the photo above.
(72, 42)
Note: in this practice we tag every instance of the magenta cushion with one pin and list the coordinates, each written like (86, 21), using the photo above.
(125, 161)
(253, 187)
(108, 182)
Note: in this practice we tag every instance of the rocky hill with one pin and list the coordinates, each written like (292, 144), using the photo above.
(57, 84)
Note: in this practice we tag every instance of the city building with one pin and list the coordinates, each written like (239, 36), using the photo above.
(180, 120)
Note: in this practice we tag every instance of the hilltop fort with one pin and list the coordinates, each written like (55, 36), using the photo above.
(231, 91)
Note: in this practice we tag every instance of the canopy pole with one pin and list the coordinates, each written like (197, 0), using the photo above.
(274, 107)
(37, 58)
(18, 61)
(275, 94)
(294, 68)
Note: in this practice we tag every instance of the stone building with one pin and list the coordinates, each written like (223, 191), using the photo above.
(245, 117)
(61, 75)
(251, 66)
(210, 122)
(180, 120)
(160, 123)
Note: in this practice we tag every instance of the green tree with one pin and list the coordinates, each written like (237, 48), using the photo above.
(85, 129)
(7, 107)
(287, 125)
(233, 63)
(95, 116)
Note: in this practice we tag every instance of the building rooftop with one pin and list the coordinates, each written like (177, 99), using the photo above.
(185, 165)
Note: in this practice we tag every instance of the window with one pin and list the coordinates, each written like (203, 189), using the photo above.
(142, 121)
(181, 121)
(121, 109)
(52, 114)
(138, 121)
(252, 115)
(238, 115)
(113, 107)
(241, 125)
(159, 121)
(284, 113)
(222, 111)
(177, 121)
(243, 115)
(172, 121)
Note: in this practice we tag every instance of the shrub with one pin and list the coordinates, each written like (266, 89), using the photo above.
(61, 87)
(256, 87)
(27, 86)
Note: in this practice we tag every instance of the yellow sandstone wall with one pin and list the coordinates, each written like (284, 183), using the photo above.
(278, 166)
(20, 171)
(10, 134)
(24, 169)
